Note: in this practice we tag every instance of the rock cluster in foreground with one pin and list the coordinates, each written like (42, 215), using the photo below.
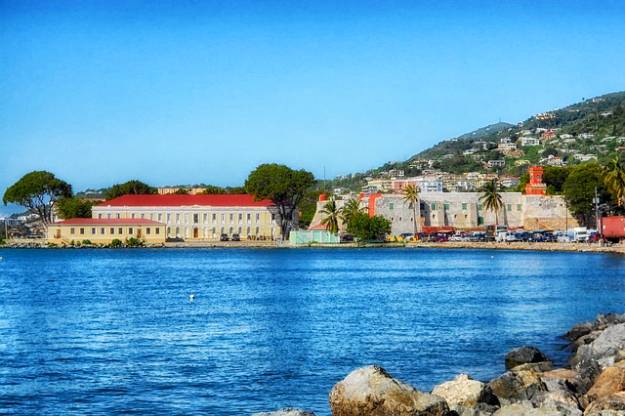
(593, 384)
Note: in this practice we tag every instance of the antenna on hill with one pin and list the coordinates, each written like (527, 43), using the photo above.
(324, 178)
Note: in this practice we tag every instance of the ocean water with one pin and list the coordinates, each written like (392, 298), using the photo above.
(103, 332)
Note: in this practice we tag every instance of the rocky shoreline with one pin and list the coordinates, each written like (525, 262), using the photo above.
(550, 247)
(593, 384)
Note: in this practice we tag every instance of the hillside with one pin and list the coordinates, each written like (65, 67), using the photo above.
(593, 129)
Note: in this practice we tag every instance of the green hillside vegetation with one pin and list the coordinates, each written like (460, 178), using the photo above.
(596, 126)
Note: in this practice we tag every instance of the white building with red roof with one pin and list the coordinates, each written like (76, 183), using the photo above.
(198, 217)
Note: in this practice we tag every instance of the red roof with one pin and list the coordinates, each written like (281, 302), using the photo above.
(173, 200)
(317, 227)
(434, 229)
(107, 221)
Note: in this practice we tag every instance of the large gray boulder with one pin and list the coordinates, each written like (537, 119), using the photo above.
(590, 359)
(524, 355)
(517, 386)
(551, 390)
(289, 411)
(372, 391)
(467, 396)
(525, 409)
(560, 395)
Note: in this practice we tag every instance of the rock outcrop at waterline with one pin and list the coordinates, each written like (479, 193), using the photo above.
(594, 385)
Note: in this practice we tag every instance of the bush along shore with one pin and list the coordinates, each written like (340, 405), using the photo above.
(593, 384)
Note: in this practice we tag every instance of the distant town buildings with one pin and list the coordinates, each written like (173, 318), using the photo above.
(529, 141)
(464, 210)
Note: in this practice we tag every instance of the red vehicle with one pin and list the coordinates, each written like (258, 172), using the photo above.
(613, 228)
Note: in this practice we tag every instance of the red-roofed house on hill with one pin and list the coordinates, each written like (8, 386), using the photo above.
(104, 231)
(198, 217)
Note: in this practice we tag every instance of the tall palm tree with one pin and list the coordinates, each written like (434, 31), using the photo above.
(615, 178)
(411, 196)
(332, 214)
(492, 199)
(350, 209)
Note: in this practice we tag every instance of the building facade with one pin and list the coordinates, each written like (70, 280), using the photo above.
(104, 231)
(464, 211)
(198, 217)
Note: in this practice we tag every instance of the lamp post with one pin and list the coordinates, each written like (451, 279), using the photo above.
(595, 200)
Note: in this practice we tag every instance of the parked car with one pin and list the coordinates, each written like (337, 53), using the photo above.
(407, 236)
(458, 237)
(224, 237)
(236, 237)
(477, 236)
(347, 238)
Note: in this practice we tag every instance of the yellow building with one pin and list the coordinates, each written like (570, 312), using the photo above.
(198, 217)
(104, 231)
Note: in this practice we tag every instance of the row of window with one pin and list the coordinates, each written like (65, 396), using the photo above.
(196, 217)
(213, 231)
(446, 206)
(120, 230)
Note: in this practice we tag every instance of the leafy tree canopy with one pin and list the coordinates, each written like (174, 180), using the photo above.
(214, 189)
(286, 187)
(366, 228)
(133, 187)
(74, 208)
(579, 190)
(308, 207)
(38, 191)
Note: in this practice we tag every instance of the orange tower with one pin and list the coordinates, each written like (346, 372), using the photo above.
(535, 186)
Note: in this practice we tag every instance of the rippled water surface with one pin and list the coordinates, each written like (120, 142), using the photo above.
(114, 332)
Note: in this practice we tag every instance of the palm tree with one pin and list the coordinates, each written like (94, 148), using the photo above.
(350, 209)
(615, 178)
(491, 198)
(411, 196)
(332, 214)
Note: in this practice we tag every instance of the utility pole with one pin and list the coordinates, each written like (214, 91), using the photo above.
(597, 218)
(566, 218)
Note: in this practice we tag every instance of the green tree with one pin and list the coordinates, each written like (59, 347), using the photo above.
(554, 177)
(308, 207)
(284, 186)
(615, 179)
(38, 191)
(331, 216)
(67, 208)
(366, 228)
(213, 189)
(492, 199)
(133, 187)
(579, 190)
(411, 197)
(350, 209)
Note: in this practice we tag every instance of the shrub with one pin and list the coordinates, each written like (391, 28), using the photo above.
(116, 243)
(134, 242)
(367, 228)
(86, 242)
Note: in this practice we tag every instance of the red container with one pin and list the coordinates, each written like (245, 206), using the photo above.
(613, 227)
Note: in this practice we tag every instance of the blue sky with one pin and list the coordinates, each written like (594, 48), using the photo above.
(181, 92)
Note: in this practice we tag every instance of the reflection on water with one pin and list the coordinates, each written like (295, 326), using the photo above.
(113, 331)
